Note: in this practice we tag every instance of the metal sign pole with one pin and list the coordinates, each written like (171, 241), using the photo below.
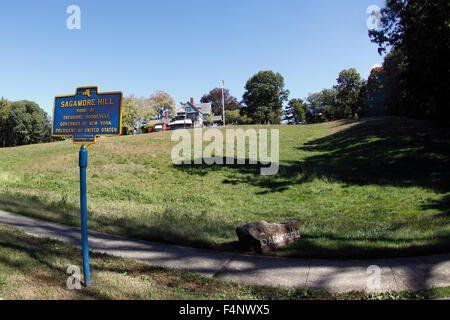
(83, 206)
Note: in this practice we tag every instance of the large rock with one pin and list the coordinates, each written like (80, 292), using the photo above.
(264, 237)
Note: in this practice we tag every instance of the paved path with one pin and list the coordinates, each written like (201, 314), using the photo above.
(332, 275)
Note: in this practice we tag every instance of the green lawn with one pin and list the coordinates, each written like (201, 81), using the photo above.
(33, 268)
(377, 187)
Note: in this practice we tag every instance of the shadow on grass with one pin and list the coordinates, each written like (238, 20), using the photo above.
(40, 261)
(358, 249)
(442, 205)
(250, 174)
(169, 227)
(310, 245)
(383, 151)
(36, 260)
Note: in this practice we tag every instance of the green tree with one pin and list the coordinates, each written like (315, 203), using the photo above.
(232, 117)
(373, 93)
(264, 97)
(210, 119)
(347, 88)
(394, 83)
(419, 30)
(363, 99)
(322, 106)
(236, 117)
(162, 102)
(385, 91)
(23, 122)
(295, 112)
(215, 97)
(328, 104)
(5, 106)
(136, 113)
(314, 110)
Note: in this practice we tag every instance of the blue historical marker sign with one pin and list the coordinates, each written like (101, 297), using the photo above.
(87, 115)
(84, 116)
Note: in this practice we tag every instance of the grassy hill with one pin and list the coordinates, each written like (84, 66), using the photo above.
(376, 187)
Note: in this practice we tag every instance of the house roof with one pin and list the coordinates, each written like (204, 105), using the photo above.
(203, 108)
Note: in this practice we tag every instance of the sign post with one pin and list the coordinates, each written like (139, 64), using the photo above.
(83, 117)
(83, 206)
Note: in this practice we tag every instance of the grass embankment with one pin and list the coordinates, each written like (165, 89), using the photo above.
(377, 187)
(33, 268)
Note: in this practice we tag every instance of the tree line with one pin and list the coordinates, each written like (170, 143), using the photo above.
(23, 122)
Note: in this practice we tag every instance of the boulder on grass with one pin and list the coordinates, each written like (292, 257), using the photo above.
(264, 237)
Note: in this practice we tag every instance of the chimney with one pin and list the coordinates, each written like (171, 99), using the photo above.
(192, 100)
(166, 115)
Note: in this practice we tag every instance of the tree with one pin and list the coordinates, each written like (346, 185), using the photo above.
(373, 94)
(295, 112)
(419, 30)
(236, 117)
(363, 99)
(264, 97)
(394, 83)
(5, 106)
(384, 92)
(347, 88)
(328, 104)
(232, 117)
(322, 106)
(136, 112)
(215, 97)
(210, 119)
(314, 110)
(162, 102)
(23, 122)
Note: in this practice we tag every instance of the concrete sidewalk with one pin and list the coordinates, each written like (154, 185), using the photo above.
(332, 275)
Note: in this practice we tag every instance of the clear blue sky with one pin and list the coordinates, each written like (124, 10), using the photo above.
(183, 47)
